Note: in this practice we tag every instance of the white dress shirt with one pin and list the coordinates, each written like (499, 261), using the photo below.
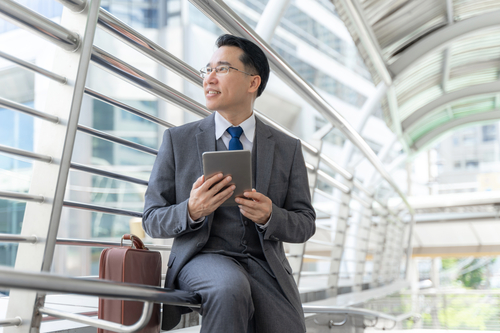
(246, 138)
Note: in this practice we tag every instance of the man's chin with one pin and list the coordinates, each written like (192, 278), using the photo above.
(211, 106)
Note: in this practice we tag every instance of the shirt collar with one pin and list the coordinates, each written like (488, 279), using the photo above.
(221, 125)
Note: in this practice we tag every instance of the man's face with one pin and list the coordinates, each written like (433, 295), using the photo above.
(227, 92)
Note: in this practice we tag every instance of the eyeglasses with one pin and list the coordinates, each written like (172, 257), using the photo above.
(220, 70)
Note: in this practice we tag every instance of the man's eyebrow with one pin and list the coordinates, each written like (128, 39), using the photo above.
(220, 63)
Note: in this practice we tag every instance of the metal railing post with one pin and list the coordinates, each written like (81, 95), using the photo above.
(297, 251)
(387, 253)
(379, 240)
(362, 247)
(339, 239)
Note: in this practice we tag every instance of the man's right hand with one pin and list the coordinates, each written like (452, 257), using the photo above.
(205, 197)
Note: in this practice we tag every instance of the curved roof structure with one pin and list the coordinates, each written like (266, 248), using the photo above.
(440, 58)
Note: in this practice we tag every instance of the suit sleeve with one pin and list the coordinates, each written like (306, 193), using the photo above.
(295, 221)
(163, 216)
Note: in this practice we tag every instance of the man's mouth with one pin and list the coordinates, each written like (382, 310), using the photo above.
(213, 92)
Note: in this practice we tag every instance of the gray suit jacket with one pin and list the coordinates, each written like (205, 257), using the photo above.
(280, 174)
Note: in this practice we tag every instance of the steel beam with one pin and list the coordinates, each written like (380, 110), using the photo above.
(368, 39)
(478, 89)
(441, 38)
(270, 18)
(457, 251)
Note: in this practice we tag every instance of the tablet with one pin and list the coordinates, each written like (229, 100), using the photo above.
(234, 163)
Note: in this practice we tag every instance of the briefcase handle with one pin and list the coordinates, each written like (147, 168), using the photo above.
(136, 242)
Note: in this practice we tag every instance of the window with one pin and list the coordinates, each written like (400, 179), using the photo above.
(469, 138)
(471, 164)
(489, 132)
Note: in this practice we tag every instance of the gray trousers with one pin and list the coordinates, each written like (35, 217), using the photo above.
(238, 296)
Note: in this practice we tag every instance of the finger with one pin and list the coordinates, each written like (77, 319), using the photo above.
(212, 180)
(249, 214)
(220, 185)
(254, 195)
(246, 202)
(221, 197)
(199, 181)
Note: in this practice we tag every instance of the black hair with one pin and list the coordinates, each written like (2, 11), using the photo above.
(253, 58)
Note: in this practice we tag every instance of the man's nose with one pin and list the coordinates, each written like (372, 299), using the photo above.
(211, 76)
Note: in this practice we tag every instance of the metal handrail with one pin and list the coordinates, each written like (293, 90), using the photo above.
(327, 195)
(123, 106)
(332, 181)
(146, 82)
(11, 322)
(46, 282)
(21, 196)
(361, 187)
(75, 5)
(143, 320)
(362, 201)
(354, 311)
(129, 36)
(228, 20)
(18, 239)
(39, 25)
(26, 109)
(322, 243)
(310, 256)
(306, 273)
(89, 169)
(115, 139)
(25, 153)
(95, 243)
(336, 167)
(34, 68)
(100, 209)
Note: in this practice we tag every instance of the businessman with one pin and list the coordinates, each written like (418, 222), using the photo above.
(232, 256)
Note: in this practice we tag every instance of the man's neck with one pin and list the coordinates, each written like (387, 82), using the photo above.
(236, 118)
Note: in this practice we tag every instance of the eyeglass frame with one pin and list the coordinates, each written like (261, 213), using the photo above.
(205, 74)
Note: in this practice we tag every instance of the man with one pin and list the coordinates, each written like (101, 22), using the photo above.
(232, 256)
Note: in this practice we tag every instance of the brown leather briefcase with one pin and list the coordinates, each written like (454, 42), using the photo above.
(134, 264)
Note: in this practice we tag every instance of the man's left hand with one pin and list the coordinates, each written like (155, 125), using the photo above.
(257, 209)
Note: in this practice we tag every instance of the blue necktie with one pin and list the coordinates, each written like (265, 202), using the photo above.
(235, 143)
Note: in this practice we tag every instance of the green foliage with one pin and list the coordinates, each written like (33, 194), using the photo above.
(472, 279)
(448, 263)
(468, 312)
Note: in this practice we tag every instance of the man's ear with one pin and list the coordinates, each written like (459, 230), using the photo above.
(254, 83)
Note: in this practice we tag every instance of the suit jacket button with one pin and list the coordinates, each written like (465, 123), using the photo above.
(244, 242)
(245, 222)
(200, 244)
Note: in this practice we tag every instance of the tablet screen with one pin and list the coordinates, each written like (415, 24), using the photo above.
(236, 163)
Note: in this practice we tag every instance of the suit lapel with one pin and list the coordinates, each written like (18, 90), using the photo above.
(205, 139)
(265, 156)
